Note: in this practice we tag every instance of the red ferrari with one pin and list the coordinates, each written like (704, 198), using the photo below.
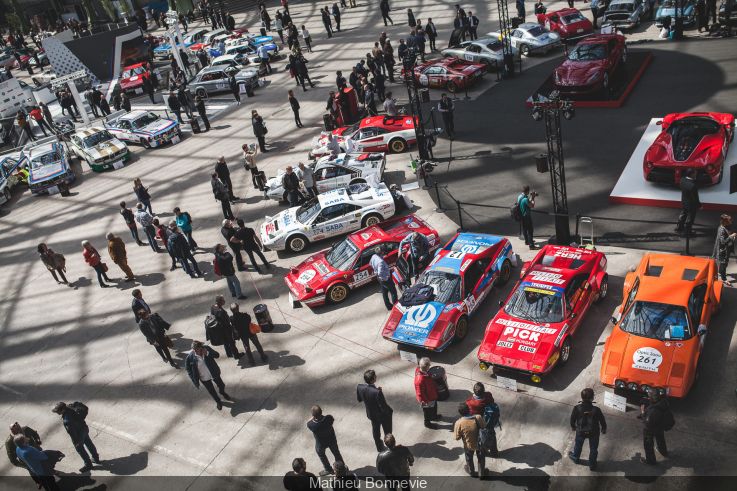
(591, 65)
(568, 23)
(330, 275)
(534, 329)
(131, 80)
(689, 141)
(452, 74)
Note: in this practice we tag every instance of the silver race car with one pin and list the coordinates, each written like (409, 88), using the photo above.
(485, 50)
(532, 37)
(214, 79)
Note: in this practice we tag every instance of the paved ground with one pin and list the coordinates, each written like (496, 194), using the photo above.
(80, 343)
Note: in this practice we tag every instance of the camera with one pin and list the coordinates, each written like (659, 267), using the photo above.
(533, 194)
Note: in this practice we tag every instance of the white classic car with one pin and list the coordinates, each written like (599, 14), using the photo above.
(10, 165)
(143, 127)
(100, 149)
(333, 213)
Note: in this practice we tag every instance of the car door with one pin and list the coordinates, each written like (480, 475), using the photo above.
(577, 296)
(330, 222)
(126, 131)
(471, 278)
(362, 271)
(472, 52)
(517, 36)
(219, 81)
(371, 139)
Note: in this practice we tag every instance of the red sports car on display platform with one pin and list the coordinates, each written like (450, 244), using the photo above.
(131, 80)
(591, 65)
(689, 141)
(568, 23)
(533, 331)
(330, 275)
(452, 74)
(392, 134)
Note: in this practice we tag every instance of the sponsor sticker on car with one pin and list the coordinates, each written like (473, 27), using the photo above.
(648, 359)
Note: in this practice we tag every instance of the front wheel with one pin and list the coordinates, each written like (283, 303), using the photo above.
(524, 49)
(452, 87)
(461, 328)
(371, 220)
(505, 273)
(565, 352)
(297, 243)
(145, 143)
(337, 293)
(397, 145)
(201, 92)
(603, 289)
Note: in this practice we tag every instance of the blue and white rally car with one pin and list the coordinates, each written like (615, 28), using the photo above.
(460, 277)
(143, 127)
(48, 166)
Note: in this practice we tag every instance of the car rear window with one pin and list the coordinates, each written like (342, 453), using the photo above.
(653, 270)
(690, 274)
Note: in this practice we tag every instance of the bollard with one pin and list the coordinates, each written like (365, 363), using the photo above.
(263, 318)
(441, 380)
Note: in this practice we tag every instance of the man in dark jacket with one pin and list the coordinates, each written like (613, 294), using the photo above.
(224, 261)
(32, 439)
(248, 241)
(199, 104)
(138, 304)
(219, 330)
(174, 105)
(377, 409)
(384, 8)
(80, 434)
(395, 461)
(234, 88)
(301, 72)
(690, 202)
(101, 102)
(327, 21)
(656, 415)
(202, 368)
(241, 322)
(259, 130)
(183, 98)
(155, 334)
(228, 232)
(179, 247)
(298, 479)
(587, 420)
(221, 193)
(221, 169)
(321, 427)
(290, 182)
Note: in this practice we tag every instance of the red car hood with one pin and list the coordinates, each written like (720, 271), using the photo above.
(131, 82)
(313, 272)
(519, 344)
(707, 151)
(322, 140)
(578, 73)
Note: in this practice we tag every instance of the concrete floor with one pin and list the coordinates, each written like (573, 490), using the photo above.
(80, 343)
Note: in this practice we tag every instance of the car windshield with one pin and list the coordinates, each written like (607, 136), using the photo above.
(351, 129)
(134, 71)
(45, 159)
(536, 31)
(96, 138)
(656, 321)
(572, 18)
(342, 255)
(447, 286)
(622, 7)
(494, 45)
(535, 304)
(669, 4)
(588, 52)
(144, 120)
(307, 211)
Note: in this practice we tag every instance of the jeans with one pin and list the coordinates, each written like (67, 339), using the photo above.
(293, 198)
(211, 389)
(64, 279)
(448, 122)
(722, 269)
(253, 262)
(227, 212)
(190, 240)
(297, 121)
(262, 143)
(234, 286)
(80, 448)
(479, 455)
(527, 229)
(320, 449)
(650, 439)
(134, 233)
(100, 274)
(376, 426)
(190, 270)
(593, 447)
(163, 351)
(388, 292)
(150, 232)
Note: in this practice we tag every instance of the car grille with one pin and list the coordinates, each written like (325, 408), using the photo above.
(664, 175)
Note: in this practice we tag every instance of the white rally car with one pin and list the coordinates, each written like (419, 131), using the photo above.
(391, 134)
(333, 213)
(143, 127)
(335, 173)
(100, 149)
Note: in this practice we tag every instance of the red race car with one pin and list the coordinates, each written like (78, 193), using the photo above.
(591, 65)
(330, 275)
(533, 331)
(452, 74)
(568, 23)
(373, 134)
(131, 80)
(689, 141)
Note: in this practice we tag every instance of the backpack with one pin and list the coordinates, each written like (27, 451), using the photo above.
(492, 415)
(515, 211)
(80, 409)
(211, 324)
(585, 423)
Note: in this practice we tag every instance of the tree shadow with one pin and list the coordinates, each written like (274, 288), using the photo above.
(127, 466)
(534, 455)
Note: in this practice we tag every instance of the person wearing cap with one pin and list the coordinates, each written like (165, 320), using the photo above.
(203, 369)
(79, 432)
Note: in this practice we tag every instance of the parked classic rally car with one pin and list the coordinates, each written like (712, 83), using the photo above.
(48, 166)
(329, 275)
(131, 80)
(336, 172)
(486, 50)
(697, 141)
(627, 14)
(531, 38)
(214, 79)
(534, 330)
(143, 127)
(461, 276)
(12, 167)
(452, 74)
(568, 23)
(328, 215)
(591, 64)
(392, 134)
(686, 10)
(100, 149)
(660, 328)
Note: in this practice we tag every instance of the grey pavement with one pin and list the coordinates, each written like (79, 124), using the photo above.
(80, 343)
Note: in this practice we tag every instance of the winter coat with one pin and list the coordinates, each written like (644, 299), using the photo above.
(467, 429)
(190, 364)
(426, 390)
(116, 250)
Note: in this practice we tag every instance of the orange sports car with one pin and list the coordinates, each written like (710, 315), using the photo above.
(660, 328)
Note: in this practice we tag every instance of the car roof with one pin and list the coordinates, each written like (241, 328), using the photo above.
(209, 69)
(387, 122)
(88, 131)
(664, 277)
(343, 195)
(349, 159)
(598, 38)
(42, 149)
(454, 259)
(223, 58)
(135, 114)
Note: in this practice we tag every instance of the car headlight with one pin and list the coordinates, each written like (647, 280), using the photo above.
(553, 36)
(620, 384)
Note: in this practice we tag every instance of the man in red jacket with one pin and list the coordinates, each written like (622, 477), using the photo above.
(427, 393)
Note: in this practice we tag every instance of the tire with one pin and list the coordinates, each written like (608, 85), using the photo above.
(297, 243)
(397, 145)
(337, 293)
(565, 352)
(370, 220)
(604, 288)
(461, 329)
(452, 87)
(201, 92)
(145, 143)
(524, 49)
(45, 62)
(505, 272)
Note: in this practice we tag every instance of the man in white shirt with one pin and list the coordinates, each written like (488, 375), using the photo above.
(307, 177)
(384, 275)
(390, 105)
(202, 368)
(263, 54)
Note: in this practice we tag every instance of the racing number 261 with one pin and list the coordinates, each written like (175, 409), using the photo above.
(647, 360)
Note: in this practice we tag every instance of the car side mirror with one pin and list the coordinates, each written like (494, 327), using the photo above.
(615, 318)
(501, 303)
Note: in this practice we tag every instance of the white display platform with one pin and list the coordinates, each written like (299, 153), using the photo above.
(633, 189)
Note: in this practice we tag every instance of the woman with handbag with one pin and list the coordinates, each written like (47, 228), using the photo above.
(142, 194)
(55, 263)
(247, 331)
(92, 257)
(154, 329)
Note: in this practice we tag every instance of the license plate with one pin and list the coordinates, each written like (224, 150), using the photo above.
(580, 30)
(118, 164)
(175, 139)
(138, 91)
(53, 189)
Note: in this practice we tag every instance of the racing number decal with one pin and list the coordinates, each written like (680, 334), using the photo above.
(471, 303)
(468, 56)
(361, 277)
(648, 359)
(456, 255)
